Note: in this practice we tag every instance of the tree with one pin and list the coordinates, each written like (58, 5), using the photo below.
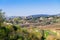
(2, 17)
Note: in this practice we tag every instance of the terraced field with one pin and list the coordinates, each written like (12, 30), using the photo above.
(55, 26)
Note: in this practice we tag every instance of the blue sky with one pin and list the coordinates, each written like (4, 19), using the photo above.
(30, 7)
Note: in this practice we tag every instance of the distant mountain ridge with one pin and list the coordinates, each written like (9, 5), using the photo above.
(39, 15)
(43, 15)
(34, 16)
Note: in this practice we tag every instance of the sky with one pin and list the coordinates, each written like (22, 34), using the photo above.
(30, 7)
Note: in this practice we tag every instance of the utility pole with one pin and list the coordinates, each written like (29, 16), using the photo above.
(42, 38)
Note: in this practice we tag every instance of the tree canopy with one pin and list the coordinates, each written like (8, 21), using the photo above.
(2, 16)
